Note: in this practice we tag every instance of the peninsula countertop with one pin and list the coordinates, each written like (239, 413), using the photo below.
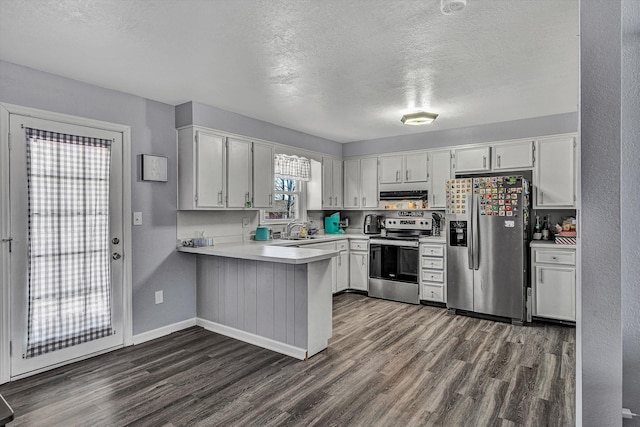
(263, 251)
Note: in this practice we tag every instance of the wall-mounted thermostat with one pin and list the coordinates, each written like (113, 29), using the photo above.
(154, 168)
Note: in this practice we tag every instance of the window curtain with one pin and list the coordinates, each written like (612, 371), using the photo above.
(292, 167)
(69, 283)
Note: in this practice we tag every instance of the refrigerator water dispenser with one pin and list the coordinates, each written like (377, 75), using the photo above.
(458, 233)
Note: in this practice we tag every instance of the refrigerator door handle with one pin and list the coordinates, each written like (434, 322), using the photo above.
(475, 221)
(470, 236)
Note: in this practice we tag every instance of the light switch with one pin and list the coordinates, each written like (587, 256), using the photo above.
(159, 297)
(137, 218)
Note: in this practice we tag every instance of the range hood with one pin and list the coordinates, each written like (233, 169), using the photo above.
(404, 195)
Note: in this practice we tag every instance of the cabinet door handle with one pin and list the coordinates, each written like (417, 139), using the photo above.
(220, 197)
(364, 201)
(355, 201)
(330, 201)
(484, 161)
(363, 260)
(336, 197)
(434, 200)
(270, 199)
(541, 197)
(397, 176)
(406, 173)
(498, 161)
(541, 281)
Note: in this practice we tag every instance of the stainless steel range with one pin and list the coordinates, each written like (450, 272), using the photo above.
(394, 258)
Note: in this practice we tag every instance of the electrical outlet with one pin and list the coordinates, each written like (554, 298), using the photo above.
(159, 297)
(137, 218)
(246, 222)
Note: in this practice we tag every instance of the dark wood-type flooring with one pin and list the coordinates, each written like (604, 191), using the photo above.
(388, 364)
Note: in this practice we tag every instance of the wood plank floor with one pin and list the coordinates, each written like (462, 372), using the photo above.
(388, 364)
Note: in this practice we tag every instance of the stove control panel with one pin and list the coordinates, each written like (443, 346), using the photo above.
(408, 223)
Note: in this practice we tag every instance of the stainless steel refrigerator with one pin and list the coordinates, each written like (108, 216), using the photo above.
(487, 233)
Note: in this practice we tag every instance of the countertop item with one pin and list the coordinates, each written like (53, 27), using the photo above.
(433, 239)
(262, 233)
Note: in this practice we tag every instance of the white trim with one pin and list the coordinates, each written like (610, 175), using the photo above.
(5, 111)
(5, 364)
(66, 362)
(269, 344)
(163, 331)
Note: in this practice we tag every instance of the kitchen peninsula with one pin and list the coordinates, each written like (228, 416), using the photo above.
(274, 297)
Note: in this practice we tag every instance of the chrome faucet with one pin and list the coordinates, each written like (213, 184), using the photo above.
(293, 224)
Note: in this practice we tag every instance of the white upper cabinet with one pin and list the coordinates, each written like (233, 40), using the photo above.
(513, 155)
(473, 159)
(201, 170)
(555, 173)
(361, 183)
(331, 183)
(403, 168)
(439, 173)
(352, 183)
(391, 169)
(262, 175)
(239, 173)
(369, 182)
(415, 167)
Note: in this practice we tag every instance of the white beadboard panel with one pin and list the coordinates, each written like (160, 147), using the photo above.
(286, 303)
(300, 305)
(265, 313)
(250, 297)
(280, 304)
(230, 285)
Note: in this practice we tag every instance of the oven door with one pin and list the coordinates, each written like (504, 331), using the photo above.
(394, 260)
(393, 270)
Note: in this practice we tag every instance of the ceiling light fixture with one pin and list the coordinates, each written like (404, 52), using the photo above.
(419, 118)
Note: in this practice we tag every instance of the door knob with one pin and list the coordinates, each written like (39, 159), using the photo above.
(116, 256)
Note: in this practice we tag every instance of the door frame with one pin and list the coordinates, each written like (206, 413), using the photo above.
(5, 278)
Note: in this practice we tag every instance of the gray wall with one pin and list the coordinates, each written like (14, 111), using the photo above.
(527, 128)
(156, 264)
(204, 115)
(599, 318)
(629, 224)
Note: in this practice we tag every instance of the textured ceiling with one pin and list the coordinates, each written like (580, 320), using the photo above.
(344, 70)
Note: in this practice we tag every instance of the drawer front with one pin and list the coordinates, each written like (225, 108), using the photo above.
(432, 250)
(432, 263)
(342, 245)
(432, 276)
(432, 293)
(358, 245)
(556, 257)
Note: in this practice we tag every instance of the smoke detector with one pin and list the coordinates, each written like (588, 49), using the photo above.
(449, 7)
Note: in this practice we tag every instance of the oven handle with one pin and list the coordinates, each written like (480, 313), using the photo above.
(385, 242)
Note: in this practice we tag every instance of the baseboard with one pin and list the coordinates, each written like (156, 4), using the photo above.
(250, 338)
(161, 332)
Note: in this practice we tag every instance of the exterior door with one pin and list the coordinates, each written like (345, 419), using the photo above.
(66, 261)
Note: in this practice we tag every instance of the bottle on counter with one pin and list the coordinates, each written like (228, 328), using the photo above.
(545, 229)
(537, 232)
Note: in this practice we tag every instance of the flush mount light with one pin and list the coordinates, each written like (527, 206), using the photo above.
(420, 118)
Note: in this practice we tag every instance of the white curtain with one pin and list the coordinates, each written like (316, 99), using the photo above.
(292, 167)
(69, 281)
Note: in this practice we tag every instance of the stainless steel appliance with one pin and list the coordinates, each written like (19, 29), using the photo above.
(487, 229)
(372, 224)
(394, 258)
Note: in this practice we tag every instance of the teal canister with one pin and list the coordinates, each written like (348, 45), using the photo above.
(262, 233)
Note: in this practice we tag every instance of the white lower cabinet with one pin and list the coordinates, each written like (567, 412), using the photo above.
(340, 272)
(433, 272)
(554, 283)
(359, 265)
